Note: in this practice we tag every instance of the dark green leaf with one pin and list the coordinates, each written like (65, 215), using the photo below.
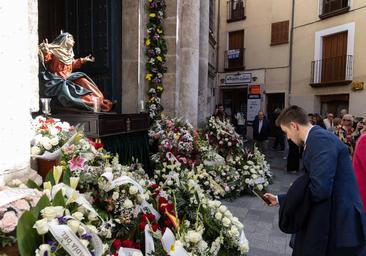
(50, 178)
(32, 184)
(66, 177)
(27, 237)
(58, 200)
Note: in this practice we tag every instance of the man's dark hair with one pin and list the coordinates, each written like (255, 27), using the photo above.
(220, 105)
(292, 114)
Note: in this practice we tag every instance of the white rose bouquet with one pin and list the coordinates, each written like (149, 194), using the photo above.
(50, 135)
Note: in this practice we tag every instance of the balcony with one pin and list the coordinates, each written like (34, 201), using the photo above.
(235, 10)
(330, 8)
(332, 71)
(234, 59)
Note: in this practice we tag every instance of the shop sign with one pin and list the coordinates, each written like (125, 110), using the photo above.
(255, 89)
(238, 78)
(254, 106)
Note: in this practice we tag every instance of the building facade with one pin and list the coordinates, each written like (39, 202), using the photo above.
(253, 56)
(329, 56)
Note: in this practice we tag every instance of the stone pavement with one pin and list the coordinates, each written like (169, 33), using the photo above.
(261, 221)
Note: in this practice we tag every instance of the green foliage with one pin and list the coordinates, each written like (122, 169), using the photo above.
(28, 240)
(58, 200)
(66, 177)
(32, 184)
(50, 178)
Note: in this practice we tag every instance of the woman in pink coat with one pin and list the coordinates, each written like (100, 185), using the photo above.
(359, 164)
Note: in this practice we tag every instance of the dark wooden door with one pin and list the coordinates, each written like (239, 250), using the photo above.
(97, 28)
(236, 42)
(334, 57)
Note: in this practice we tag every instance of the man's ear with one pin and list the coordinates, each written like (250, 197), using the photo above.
(294, 125)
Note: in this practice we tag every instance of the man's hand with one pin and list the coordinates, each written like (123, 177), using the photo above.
(272, 198)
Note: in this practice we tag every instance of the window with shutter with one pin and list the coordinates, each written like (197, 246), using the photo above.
(279, 32)
(331, 8)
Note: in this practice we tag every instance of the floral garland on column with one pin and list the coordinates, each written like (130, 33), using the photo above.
(156, 51)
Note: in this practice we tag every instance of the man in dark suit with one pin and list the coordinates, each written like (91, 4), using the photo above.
(335, 224)
(261, 131)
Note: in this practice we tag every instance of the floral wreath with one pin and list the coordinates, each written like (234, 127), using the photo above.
(156, 51)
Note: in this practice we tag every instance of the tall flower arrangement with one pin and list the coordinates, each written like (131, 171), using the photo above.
(156, 51)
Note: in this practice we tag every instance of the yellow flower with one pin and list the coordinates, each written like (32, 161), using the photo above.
(150, 1)
(152, 15)
(159, 58)
(147, 42)
(159, 30)
(159, 88)
(57, 172)
(74, 182)
(148, 76)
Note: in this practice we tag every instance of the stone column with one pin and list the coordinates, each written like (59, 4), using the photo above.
(170, 95)
(19, 80)
(189, 30)
(203, 62)
(130, 42)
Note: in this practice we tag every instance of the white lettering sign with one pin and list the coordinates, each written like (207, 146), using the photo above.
(238, 78)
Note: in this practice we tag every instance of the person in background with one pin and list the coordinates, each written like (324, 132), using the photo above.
(280, 138)
(342, 113)
(293, 157)
(319, 121)
(220, 113)
(323, 207)
(261, 131)
(311, 118)
(336, 122)
(346, 133)
(359, 163)
(328, 122)
(240, 120)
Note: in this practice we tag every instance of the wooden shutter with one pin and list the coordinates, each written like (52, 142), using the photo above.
(236, 41)
(279, 32)
(334, 57)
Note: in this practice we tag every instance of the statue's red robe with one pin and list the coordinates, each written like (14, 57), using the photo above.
(64, 70)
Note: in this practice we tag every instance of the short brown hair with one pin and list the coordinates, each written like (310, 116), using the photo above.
(292, 114)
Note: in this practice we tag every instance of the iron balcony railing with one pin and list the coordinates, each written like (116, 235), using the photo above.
(235, 10)
(332, 70)
(234, 59)
(329, 8)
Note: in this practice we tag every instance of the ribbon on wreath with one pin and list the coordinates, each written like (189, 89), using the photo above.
(71, 243)
(13, 194)
(171, 246)
(128, 180)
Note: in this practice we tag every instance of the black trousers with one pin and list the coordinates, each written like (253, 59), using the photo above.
(279, 139)
(293, 158)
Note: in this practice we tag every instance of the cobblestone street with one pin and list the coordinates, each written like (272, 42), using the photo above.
(261, 221)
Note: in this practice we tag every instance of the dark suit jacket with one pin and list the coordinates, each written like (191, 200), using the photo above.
(332, 181)
(265, 131)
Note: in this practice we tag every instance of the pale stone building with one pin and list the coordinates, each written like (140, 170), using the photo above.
(253, 55)
(329, 56)
(113, 31)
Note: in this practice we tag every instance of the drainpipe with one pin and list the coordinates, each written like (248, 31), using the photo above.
(290, 53)
(217, 50)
